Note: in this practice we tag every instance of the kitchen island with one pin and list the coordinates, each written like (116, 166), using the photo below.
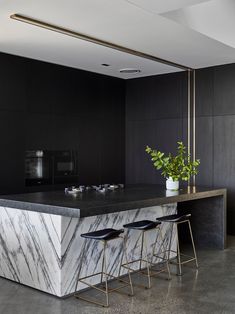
(40, 243)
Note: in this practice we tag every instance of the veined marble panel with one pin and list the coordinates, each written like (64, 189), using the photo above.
(30, 249)
(46, 251)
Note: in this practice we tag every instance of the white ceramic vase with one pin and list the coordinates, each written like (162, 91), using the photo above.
(172, 185)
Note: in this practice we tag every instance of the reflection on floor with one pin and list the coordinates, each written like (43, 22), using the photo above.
(208, 290)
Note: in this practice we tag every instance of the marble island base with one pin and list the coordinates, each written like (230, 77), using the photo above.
(46, 252)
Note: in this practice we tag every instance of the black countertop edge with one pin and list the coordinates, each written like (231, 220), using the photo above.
(80, 209)
(123, 206)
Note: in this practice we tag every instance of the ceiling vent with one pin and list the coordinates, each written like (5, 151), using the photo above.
(130, 71)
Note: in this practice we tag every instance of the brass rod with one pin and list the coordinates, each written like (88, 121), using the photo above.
(90, 285)
(189, 117)
(91, 301)
(68, 32)
(194, 122)
(188, 261)
(193, 245)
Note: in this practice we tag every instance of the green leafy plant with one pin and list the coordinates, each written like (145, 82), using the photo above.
(178, 167)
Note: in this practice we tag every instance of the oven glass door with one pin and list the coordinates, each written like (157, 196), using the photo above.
(37, 168)
(65, 166)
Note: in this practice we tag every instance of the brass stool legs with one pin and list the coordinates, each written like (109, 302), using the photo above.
(104, 274)
(165, 258)
(124, 253)
(180, 260)
(144, 259)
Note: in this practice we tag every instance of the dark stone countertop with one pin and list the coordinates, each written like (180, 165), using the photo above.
(92, 203)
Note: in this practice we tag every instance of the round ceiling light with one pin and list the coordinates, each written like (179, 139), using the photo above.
(130, 71)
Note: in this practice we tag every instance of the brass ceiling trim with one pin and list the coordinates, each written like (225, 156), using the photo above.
(71, 33)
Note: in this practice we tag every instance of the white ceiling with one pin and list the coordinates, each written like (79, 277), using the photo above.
(135, 24)
(215, 19)
(163, 6)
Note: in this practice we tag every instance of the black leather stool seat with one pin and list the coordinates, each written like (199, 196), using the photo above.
(104, 234)
(142, 225)
(174, 218)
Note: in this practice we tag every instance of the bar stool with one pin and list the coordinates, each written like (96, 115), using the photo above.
(145, 226)
(177, 219)
(105, 236)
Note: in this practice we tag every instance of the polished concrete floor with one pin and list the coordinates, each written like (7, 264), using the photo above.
(209, 290)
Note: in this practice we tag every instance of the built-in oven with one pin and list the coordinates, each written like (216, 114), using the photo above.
(38, 169)
(45, 167)
(65, 168)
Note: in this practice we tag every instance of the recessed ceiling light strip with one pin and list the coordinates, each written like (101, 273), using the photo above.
(94, 40)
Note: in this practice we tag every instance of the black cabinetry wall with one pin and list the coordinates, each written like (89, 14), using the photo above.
(215, 125)
(47, 106)
(156, 115)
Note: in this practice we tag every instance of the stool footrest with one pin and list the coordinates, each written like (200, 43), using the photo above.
(92, 286)
(191, 258)
(184, 262)
(135, 261)
(89, 276)
(162, 258)
(152, 272)
(102, 289)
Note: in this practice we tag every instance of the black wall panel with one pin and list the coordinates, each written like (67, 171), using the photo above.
(224, 91)
(155, 116)
(204, 150)
(204, 92)
(215, 133)
(47, 106)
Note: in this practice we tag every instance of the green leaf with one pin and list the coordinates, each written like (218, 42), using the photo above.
(177, 167)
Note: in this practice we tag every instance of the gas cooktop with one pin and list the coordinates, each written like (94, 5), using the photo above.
(102, 188)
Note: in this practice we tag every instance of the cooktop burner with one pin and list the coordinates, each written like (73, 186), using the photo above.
(102, 188)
